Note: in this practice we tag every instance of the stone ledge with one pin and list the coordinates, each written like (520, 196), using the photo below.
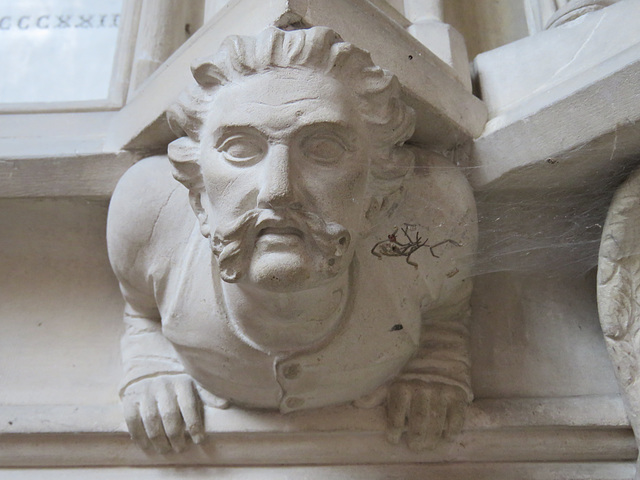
(563, 429)
(568, 113)
(452, 471)
(82, 175)
(588, 135)
(509, 445)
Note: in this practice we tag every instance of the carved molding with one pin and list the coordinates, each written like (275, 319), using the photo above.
(570, 429)
(546, 14)
(575, 9)
(447, 114)
(619, 292)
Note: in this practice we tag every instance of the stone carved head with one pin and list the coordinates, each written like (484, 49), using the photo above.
(290, 144)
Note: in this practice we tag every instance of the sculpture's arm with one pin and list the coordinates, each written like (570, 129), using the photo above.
(443, 353)
(146, 353)
(160, 401)
(430, 397)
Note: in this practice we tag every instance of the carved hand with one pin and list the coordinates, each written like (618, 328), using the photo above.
(160, 410)
(428, 413)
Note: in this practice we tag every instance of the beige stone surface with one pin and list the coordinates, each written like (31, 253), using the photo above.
(59, 306)
(447, 114)
(566, 115)
(478, 471)
(618, 284)
(565, 107)
(293, 152)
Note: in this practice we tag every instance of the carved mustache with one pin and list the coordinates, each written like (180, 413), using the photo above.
(233, 243)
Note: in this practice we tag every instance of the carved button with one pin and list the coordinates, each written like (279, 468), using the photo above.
(294, 402)
(291, 371)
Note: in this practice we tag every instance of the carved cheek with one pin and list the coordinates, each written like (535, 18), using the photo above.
(340, 195)
(354, 176)
(231, 190)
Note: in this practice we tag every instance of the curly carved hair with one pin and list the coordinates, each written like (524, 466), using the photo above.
(319, 49)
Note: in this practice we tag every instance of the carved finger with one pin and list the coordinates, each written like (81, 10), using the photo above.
(456, 413)
(426, 418)
(397, 409)
(171, 418)
(134, 423)
(191, 409)
(418, 421)
(153, 426)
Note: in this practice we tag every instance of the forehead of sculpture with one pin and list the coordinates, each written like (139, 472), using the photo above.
(282, 101)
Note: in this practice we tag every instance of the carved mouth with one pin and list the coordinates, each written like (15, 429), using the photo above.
(280, 231)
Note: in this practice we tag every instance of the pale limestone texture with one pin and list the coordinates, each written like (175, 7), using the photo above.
(303, 192)
(574, 9)
(563, 134)
(618, 292)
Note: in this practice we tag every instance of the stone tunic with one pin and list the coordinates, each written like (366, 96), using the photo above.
(176, 321)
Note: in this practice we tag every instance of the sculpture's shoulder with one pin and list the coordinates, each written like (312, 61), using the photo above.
(441, 183)
(434, 220)
(149, 215)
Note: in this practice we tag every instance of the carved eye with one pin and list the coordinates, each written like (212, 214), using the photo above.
(324, 148)
(242, 149)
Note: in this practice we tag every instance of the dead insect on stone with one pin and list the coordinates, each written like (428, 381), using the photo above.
(453, 273)
(392, 247)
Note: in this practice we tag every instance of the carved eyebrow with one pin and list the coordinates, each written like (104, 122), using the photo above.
(288, 102)
(221, 133)
(341, 129)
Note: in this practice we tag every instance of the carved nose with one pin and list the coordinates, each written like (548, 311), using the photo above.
(277, 189)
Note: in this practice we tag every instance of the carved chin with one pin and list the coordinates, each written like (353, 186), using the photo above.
(290, 271)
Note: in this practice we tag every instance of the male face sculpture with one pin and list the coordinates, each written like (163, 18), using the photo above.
(284, 164)
(291, 145)
(280, 134)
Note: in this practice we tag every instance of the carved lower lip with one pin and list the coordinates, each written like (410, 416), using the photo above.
(283, 231)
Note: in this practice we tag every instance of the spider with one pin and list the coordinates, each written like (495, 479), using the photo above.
(392, 247)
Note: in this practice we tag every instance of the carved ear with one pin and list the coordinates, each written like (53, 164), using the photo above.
(379, 206)
(183, 150)
(386, 180)
(207, 73)
(373, 210)
(195, 200)
(183, 154)
(401, 160)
